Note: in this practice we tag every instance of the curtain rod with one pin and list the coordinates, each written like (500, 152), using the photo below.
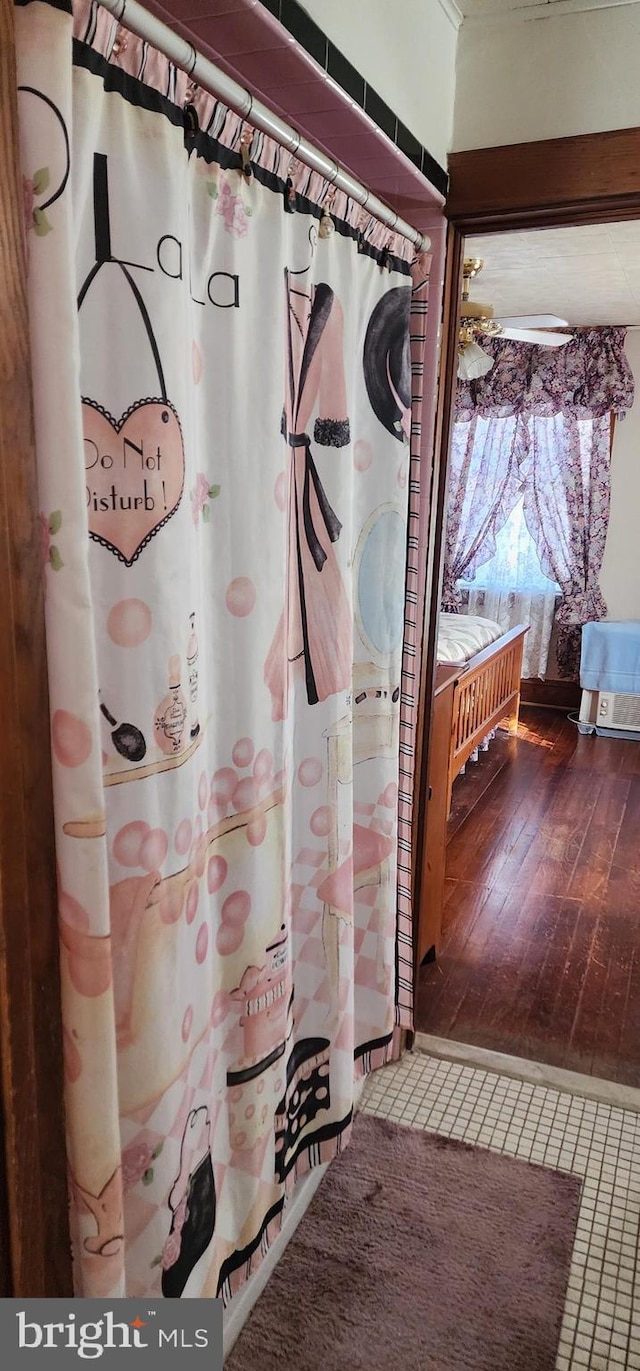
(182, 54)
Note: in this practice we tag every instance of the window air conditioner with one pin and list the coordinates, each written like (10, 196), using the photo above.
(604, 709)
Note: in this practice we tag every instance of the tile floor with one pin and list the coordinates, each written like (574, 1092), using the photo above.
(601, 1327)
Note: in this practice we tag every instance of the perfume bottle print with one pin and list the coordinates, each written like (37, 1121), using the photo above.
(192, 672)
(171, 715)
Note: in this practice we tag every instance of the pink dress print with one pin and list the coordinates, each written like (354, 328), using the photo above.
(314, 635)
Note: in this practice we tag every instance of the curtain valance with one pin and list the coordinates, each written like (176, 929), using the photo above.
(586, 379)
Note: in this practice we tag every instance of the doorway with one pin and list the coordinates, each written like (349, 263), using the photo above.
(536, 955)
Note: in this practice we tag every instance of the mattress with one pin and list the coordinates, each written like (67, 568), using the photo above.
(460, 636)
(610, 658)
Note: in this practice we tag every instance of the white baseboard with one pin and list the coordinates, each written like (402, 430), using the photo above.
(240, 1307)
(537, 1073)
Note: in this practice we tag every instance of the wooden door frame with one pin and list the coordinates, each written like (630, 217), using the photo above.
(34, 1227)
(436, 497)
(586, 179)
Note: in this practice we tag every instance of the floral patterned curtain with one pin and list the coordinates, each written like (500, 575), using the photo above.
(567, 483)
(588, 377)
(537, 427)
(484, 485)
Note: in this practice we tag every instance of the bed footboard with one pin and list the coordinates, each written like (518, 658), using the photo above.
(487, 695)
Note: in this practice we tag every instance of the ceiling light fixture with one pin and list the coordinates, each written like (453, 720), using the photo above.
(473, 363)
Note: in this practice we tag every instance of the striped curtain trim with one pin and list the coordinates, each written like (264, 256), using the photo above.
(410, 654)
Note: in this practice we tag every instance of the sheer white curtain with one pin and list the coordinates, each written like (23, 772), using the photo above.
(484, 484)
(511, 588)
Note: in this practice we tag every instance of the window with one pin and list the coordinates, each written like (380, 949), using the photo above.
(515, 564)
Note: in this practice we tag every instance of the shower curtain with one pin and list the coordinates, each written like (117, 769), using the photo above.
(222, 393)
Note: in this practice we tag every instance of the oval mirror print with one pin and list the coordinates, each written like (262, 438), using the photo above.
(381, 575)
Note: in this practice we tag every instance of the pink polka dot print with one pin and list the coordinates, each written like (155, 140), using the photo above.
(257, 831)
(216, 874)
(186, 1024)
(220, 1007)
(228, 939)
(240, 597)
(223, 784)
(263, 765)
(71, 738)
(310, 771)
(243, 752)
(193, 897)
(362, 455)
(128, 842)
(153, 849)
(202, 943)
(182, 840)
(245, 795)
(236, 908)
(321, 821)
(129, 623)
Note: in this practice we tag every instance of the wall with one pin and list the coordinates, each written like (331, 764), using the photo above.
(410, 64)
(620, 578)
(523, 79)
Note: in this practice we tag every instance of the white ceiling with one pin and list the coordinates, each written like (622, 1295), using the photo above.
(479, 8)
(588, 275)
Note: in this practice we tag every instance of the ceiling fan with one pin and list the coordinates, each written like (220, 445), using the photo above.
(477, 322)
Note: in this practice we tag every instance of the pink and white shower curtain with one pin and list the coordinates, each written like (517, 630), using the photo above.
(223, 409)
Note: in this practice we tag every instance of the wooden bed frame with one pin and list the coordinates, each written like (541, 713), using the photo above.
(485, 694)
(468, 702)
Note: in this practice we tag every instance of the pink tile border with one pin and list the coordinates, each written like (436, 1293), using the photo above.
(277, 69)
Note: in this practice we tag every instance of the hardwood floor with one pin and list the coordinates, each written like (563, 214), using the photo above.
(540, 954)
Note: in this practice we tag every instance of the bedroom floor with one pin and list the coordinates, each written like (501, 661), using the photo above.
(540, 955)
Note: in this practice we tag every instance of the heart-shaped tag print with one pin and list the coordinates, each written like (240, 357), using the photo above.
(134, 472)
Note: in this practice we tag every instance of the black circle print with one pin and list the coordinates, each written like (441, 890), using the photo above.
(53, 160)
(387, 359)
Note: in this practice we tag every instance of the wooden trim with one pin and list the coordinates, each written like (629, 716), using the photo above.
(590, 178)
(30, 1025)
(429, 904)
(562, 695)
(433, 582)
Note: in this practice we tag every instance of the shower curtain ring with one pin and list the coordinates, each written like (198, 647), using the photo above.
(120, 41)
(326, 226)
(289, 190)
(246, 139)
